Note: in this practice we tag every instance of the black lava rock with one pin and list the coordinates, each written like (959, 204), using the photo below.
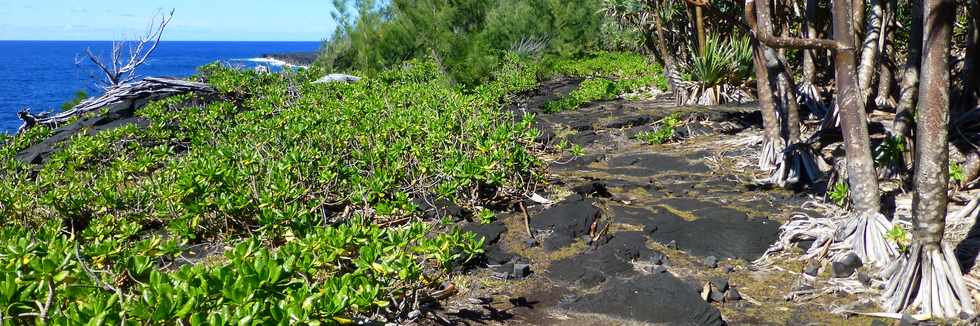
(711, 262)
(597, 189)
(720, 283)
(716, 296)
(846, 266)
(864, 278)
(732, 295)
(812, 268)
(521, 270)
(650, 228)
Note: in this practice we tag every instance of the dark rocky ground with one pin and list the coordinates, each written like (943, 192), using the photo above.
(637, 232)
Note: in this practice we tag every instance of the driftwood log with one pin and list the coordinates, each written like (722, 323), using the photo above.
(137, 93)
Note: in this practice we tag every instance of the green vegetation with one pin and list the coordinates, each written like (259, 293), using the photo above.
(290, 180)
(78, 98)
(664, 133)
(956, 172)
(838, 195)
(486, 216)
(901, 237)
(891, 151)
(610, 74)
(723, 62)
(468, 38)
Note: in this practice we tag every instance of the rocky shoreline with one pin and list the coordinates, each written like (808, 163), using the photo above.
(293, 58)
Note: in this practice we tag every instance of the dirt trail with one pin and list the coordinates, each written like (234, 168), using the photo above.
(635, 230)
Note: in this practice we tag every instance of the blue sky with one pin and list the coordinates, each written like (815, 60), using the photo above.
(194, 20)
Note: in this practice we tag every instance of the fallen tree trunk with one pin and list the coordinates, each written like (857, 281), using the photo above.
(148, 89)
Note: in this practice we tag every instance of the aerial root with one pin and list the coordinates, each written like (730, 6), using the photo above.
(808, 95)
(968, 212)
(803, 227)
(930, 282)
(769, 158)
(866, 233)
(831, 120)
(796, 162)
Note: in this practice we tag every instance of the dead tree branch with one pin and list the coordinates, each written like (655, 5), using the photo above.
(120, 68)
(142, 91)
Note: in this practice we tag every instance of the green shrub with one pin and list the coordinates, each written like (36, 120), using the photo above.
(724, 61)
(261, 170)
(468, 38)
(664, 133)
(78, 98)
(839, 194)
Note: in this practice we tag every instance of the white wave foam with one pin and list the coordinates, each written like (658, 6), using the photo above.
(268, 61)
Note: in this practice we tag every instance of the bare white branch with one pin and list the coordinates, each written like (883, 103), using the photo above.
(127, 56)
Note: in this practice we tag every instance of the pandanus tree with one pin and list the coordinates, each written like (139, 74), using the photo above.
(866, 228)
(807, 90)
(790, 159)
(930, 278)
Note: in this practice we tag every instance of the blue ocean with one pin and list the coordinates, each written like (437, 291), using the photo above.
(41, 75)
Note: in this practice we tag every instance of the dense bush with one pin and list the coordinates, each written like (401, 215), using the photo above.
(290, 177)
(468, 38)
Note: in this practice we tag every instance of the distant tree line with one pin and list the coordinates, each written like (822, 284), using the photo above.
(466, 37)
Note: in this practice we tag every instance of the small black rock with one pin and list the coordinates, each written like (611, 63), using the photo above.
(846, 266)
(521, 270)
(720, 283)
(711, 261)
(812, 268)
(716, 296)
(864, 278)
(650, 228)
(732, 295)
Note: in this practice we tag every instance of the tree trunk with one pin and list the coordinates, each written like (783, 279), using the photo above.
(886, 65)
(772, 142)
(972, 61)
(807, 90)
(670, 67)
(860, 166)
(931, 279)
(932, 133)
(866, 228)
(910, 78)
(810, 32)
(857, 18)
(700, 26)
(869, 50)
